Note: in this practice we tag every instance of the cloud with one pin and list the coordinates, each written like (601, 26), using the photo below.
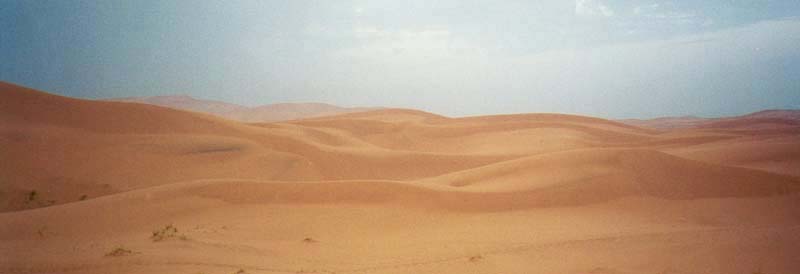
(686, 74)
(644, 9)
(747, 67)
(667, 13)
(592, 8)
(427, 42)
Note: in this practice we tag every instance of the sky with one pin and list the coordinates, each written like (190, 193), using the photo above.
(604, 58)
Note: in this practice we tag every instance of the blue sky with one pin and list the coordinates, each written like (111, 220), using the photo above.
(614, 59)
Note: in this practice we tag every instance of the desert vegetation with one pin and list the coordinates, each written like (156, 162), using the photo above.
(119, 251)
(166, 233)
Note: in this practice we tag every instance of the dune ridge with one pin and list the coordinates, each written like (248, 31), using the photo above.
(389, 191)
(770, 116)
(258, 114)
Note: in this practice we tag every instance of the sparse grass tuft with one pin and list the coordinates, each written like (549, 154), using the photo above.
(34, 199)
(119, 251)
(303, 271)
(241, 271)
(84, 197)
(168, 232)
(41, 231)
(476, 258)
(309, 240)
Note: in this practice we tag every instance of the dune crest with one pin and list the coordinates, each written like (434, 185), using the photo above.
(85, 185)
(257, 114)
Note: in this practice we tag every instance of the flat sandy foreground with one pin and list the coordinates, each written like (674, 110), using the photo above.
(109, 187)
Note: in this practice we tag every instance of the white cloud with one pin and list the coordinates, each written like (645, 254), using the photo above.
(644, 9)
(592, 8)
(668, 13)
(429, 42)
(729, 64)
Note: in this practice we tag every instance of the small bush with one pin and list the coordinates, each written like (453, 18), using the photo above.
(475, 258)
(119, 251)
(168, 232)
(41, 231)
(309, 240)
(32, 195)
(84, 197)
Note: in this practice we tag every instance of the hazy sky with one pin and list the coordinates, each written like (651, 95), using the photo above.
(614, 59)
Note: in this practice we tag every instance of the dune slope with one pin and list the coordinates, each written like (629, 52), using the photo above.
(259, 114)
(115, 187)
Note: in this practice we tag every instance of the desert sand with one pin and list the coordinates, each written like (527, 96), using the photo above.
(114, 187)
(258, 114)
(773, 116)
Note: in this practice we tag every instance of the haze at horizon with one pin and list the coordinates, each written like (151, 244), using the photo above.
(614, 59)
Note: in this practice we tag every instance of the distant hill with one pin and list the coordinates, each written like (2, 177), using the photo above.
(258, 114)
(773, 116)
(666, 122)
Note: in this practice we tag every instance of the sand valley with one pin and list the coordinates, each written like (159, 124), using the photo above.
(113, 187)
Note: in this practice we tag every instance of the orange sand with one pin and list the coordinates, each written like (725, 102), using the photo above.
(389, 191)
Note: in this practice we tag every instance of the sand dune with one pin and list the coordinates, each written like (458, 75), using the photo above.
(258, 114)
(85, 184)
(585, 175)
(764, 119)
(185, 102)
(24, 107)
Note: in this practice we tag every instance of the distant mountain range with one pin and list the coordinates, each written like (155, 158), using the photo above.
(258, 114)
